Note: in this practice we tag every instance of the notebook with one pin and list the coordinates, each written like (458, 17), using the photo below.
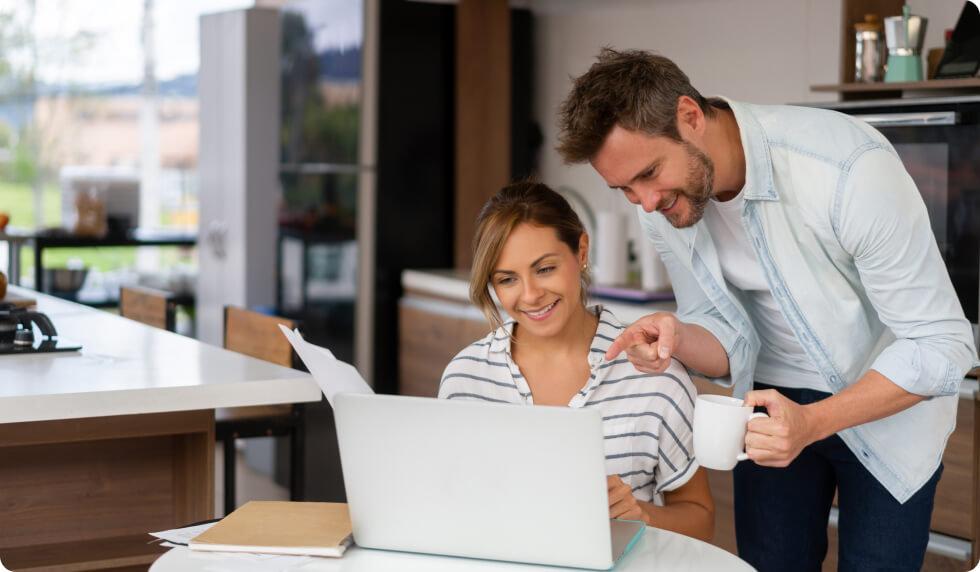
(480, 480)
(279, 527)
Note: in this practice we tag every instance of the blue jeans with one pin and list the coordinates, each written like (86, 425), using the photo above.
(781, 514)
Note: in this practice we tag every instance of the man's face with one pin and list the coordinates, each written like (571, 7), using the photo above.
(657, 173)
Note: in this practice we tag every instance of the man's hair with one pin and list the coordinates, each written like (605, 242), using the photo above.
(634, 89)
(529, 202)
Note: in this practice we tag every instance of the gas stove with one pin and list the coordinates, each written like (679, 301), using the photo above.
(17, 332)
(39, 345)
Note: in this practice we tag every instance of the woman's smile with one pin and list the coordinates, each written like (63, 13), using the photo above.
(541, 314)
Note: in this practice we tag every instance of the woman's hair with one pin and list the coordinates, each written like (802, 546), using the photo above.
(524, 202)
(634, 89)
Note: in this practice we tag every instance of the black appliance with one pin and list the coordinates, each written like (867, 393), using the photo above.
(938, 140)
(17, 336)
(961, 58)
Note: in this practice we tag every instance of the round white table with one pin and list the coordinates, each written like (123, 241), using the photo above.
(655, 550)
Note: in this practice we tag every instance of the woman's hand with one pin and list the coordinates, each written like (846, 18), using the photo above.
(688, 509)
(622, 504)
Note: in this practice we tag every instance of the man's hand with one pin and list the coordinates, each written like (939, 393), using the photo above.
(776, 441)
(649, 342)
(622, 504)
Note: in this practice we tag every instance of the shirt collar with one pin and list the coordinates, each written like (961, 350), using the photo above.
(609, 327)
(755, 145)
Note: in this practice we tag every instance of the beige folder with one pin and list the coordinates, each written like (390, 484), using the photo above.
(278, 527)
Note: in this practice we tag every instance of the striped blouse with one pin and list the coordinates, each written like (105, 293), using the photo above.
(647, 419)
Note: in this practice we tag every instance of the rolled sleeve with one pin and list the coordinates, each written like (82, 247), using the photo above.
(920, 369)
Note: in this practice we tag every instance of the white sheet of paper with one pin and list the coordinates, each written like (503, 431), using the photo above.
(332, 375)
(181, 536)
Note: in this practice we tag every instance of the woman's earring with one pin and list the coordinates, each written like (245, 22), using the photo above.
(585, 267)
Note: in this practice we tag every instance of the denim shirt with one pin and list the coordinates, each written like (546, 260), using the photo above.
(844, 241)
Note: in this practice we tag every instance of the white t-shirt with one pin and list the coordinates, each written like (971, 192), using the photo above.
(782, 360)
(647, 419)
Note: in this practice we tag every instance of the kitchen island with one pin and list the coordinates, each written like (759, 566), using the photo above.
(102, 445)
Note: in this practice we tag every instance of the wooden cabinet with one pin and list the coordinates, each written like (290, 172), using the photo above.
(81, 494)
(427, 340)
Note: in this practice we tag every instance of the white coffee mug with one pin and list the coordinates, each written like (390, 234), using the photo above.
(719, 431)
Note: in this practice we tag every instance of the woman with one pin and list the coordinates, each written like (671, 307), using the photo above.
(531, 249)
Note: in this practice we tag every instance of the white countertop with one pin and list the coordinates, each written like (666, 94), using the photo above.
(125, 367)
(454, 285)
(655, 550)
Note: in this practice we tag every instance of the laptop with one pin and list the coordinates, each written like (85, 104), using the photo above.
(480, 480)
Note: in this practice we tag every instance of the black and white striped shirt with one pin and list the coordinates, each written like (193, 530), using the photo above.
(647, 419)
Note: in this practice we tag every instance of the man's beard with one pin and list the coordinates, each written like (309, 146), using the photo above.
(697, 191)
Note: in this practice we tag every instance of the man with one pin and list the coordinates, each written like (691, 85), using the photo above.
(804, 267)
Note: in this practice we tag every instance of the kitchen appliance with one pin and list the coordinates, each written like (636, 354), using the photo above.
(17, 336)
(904, 35)
(938, 140)
(961, 58)
(99, 200)
(63, 281)
(869, 57)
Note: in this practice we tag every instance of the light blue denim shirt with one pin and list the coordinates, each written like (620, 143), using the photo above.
(844, 240)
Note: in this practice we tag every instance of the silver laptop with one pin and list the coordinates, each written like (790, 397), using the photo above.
(481, 480)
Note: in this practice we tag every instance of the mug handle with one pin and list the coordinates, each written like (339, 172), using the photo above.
(743, 456)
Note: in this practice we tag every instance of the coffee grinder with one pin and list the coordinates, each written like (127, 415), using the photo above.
(904, 36)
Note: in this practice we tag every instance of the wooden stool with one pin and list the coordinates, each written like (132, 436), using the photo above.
(258, 335)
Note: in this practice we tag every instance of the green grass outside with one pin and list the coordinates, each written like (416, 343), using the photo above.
(16, 199)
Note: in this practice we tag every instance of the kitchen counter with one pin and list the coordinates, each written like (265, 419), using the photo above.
(102, 445)
(128, 368)
(452, 286)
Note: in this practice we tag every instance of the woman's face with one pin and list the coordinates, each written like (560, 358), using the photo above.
(537, 279)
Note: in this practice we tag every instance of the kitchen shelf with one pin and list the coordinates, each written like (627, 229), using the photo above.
(883, 90)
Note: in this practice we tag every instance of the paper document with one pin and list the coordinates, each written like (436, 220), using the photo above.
(180, 536)
(332, 375)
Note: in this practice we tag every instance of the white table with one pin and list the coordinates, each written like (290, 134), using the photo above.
(655, 550)
(101, 445)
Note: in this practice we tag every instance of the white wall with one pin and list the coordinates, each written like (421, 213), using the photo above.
(761, 51)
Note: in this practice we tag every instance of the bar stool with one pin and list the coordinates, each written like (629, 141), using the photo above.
(258, 335)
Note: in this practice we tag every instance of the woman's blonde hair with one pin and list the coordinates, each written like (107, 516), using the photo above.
(529, 202)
